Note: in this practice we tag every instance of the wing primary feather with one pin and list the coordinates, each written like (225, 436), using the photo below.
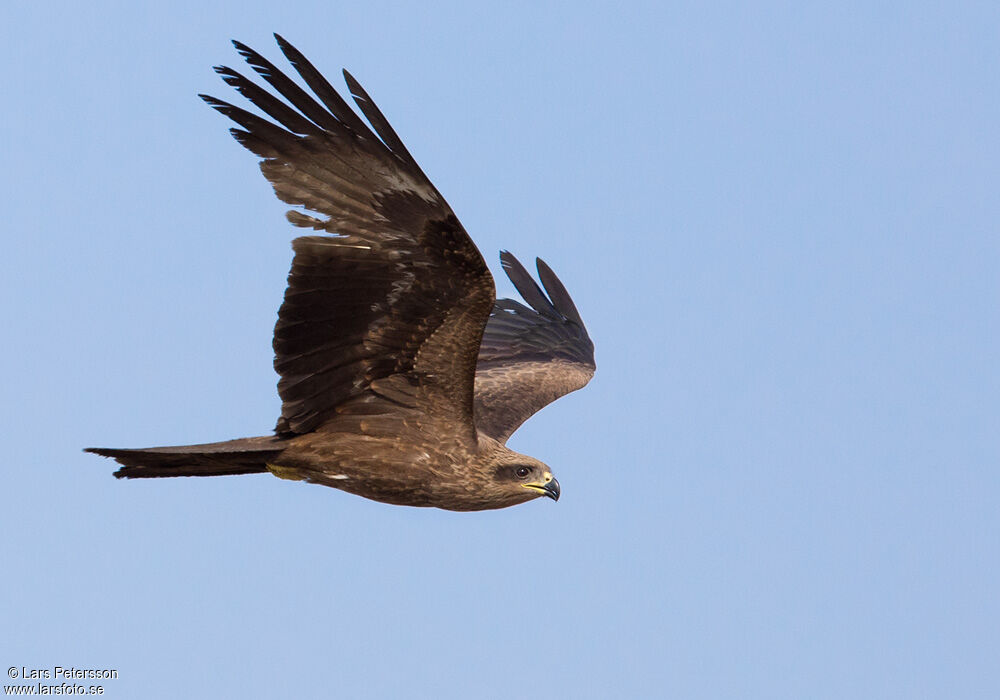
(287, 87)
(378, 120)
(251, 122)
(557, 293)
(288, 117)
(525, 285)
(327, 94)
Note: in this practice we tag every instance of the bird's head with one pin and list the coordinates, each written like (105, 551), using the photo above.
(523, 478)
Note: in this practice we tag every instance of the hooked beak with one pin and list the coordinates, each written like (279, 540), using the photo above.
(549, 488)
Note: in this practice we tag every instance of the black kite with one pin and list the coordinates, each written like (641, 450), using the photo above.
(402, 375)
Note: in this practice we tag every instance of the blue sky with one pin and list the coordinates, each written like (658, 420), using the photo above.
(779, 222)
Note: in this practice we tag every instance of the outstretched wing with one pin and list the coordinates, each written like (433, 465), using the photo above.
(529, 357)
(392, 301)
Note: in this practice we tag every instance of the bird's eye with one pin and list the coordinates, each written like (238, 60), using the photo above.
(523, 471)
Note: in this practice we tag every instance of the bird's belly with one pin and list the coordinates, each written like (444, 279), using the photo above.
(395, 470)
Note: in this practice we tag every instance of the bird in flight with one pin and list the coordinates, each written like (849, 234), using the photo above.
(401, 374)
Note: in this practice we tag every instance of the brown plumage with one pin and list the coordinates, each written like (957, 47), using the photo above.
(401, 375)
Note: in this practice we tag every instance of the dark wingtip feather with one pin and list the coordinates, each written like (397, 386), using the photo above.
(288, 89)
(557, 292)
(231, 111)
(248, 54)
(525, 285)
(355, 89)
(213, 102)
(375, 117)
(265, 101)
(321, 87)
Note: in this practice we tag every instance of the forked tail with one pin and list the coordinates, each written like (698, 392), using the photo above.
(243, 456)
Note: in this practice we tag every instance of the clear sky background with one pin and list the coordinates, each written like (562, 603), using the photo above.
(780, 223)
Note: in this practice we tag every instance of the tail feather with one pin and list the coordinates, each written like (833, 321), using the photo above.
(243, 456)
